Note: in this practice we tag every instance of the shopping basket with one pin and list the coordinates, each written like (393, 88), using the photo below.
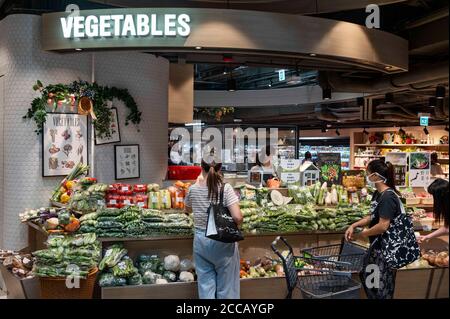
(346, 251)
(316, 278)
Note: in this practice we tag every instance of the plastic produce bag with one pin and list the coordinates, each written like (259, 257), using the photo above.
(136, 279)
(108, 280)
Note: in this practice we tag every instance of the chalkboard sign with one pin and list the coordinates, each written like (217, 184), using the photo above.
(329, 165)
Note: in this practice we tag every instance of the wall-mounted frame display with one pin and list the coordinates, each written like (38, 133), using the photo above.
(64, 143)
(114, 128)
(126, 159)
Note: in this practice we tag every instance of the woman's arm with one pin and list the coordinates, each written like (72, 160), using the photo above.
(236, 213)
(360, 223)
(440, 232)
(377, 229)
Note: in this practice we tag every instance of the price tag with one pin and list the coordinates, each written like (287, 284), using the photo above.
(125, 189)
(112, 202)
(127, 202)
(141, 204)
(290, 178)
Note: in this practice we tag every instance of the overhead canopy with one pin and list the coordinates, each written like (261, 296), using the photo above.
(209, 31)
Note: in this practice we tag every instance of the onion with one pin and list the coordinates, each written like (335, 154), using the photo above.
(432, 260)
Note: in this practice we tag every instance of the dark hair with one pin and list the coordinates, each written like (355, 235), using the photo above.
(308, 155)
(214, 180)
(439, 190)
(434, 158)
(385, 169)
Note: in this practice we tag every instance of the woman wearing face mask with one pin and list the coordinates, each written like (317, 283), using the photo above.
(385, 207)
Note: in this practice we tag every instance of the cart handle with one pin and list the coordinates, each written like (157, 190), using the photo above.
(275, 242)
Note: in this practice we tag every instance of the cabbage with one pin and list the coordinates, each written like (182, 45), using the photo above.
(150, 277)
(170, 276)
(186, 265)
(186, 276)
(172, 263)
(135, 280)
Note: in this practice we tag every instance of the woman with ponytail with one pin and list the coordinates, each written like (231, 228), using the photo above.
(385, 206)
(216, 263)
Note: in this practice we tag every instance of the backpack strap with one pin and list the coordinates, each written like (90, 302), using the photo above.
(222, 189)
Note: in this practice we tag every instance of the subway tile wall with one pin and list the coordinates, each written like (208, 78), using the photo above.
(23, 62)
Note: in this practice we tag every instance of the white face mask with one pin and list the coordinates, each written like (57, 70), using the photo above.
(373, 183)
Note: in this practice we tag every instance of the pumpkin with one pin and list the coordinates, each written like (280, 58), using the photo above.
(73, 225)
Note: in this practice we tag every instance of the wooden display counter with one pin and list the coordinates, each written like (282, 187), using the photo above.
(411, 283)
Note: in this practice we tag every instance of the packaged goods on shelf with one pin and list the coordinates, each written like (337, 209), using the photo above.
(67, 255)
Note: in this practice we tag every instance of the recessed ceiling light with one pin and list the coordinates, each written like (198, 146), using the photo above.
(388, 67)
(78, 49)
(198, 48)
(312, 54)
(326, 93)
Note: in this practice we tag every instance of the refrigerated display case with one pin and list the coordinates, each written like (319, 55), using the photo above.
(316, 145)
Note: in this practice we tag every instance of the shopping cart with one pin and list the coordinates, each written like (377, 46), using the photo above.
(317, 278)
(351, 253)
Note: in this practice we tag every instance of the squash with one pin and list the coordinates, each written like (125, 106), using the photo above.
(73, 225)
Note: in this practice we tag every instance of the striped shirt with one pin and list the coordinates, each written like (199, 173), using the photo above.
(197, 198)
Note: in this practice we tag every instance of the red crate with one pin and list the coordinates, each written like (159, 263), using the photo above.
(183, 172)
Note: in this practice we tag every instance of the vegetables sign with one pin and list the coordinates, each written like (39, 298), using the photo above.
(329, 165)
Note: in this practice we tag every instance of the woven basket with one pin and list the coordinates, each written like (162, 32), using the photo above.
(55, 288)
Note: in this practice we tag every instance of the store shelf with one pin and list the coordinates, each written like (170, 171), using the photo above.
(401, 145)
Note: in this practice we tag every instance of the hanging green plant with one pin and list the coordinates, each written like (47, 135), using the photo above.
(218, 113)
(54, 96)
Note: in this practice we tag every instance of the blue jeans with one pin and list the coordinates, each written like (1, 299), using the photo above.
(217, 266)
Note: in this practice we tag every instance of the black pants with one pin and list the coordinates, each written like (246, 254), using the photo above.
(386, 280)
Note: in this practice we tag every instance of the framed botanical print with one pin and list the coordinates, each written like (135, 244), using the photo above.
(126, 159)
(114, 128)
(64, 143)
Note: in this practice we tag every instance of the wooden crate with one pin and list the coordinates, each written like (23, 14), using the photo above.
(17, 288)
(413, 283)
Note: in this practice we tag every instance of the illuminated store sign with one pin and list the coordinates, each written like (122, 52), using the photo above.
(125, 25)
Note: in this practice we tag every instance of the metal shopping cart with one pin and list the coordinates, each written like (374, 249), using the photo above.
(349, 252)
(315, 276)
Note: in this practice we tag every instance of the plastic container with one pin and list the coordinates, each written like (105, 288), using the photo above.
(413, 201)
(427, 201)
(183, 172)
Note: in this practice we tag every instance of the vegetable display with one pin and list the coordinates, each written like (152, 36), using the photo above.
(64, 187)
(67, 255)
(89, 198)
(119, 269)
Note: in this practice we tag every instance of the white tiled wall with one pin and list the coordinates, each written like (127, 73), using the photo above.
(145, 76)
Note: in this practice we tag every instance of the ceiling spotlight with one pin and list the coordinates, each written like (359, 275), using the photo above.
(270, 83)
(388, 67)
(440, 92)
(312, 54)
(360, 101)
(337, 132)
(401, 131)
(432, 101)
(231, 85)
(328, 125)
(78, 49)
(326, 93)
(198, 48)
(365, 132)
(425, 130)
(389, 98)
(324, 129)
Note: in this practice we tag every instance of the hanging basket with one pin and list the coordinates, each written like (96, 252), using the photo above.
(55, 287)
(85, 107)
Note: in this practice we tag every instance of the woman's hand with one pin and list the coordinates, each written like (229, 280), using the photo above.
(422, 239)
(349, 233)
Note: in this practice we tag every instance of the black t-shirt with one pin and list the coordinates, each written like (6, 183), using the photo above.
(385, 205)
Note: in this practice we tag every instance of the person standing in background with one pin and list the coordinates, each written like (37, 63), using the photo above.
(436, 168)
(440, 191)
(308, 157)
(217, 264)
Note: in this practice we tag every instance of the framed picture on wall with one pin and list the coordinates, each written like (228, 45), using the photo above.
(64, 143)
(126, 161)
(114, 128)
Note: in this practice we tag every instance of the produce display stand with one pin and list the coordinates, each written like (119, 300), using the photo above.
(411, 283)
